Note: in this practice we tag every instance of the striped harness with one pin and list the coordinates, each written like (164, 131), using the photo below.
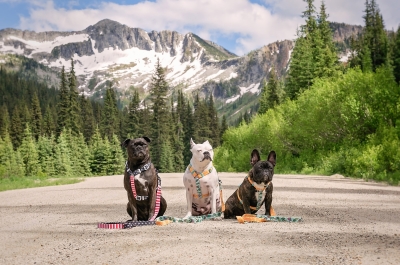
(260, 193)
(132, 180)
(197, 176)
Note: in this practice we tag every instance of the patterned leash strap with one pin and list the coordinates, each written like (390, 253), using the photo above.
(164, 220)
(158, 199)
(260, 218)
(124, 225)
(158, 193)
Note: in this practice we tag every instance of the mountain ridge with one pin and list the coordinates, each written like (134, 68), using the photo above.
(111, 51)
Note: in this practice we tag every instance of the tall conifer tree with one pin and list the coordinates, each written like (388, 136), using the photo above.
(36, 117)
(74, 112)
(161, 114)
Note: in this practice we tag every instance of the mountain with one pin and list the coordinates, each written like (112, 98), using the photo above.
(110, 51)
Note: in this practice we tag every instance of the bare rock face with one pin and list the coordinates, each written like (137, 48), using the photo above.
(111, 34)
(166, 41)
(342, 31)
(67, 51)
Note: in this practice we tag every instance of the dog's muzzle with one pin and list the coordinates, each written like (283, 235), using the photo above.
(206, 156)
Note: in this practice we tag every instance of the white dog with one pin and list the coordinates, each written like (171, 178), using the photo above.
(201, 182)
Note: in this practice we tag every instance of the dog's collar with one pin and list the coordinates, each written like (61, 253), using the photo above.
(198, 175)
(137, 171)
(256, 186)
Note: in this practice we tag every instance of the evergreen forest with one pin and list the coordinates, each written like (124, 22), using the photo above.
(57, 133)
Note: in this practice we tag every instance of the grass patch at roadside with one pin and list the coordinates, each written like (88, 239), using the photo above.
(14, 183)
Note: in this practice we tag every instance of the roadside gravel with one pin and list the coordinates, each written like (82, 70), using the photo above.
(345, 221)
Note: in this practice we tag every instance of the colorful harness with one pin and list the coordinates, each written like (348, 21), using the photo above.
(130, 224)
(260, 193)
(132, 180)
(197, 176)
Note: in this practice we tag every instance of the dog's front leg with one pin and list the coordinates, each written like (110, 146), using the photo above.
(268, 201)
(189, 197)
(246, 206)
(214, 191)
(152, 202)
(133, 207)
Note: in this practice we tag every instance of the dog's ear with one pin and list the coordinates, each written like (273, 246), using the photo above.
(254, 157)
(125, 143)
(191, 143)
(146, 138)
(272, 157)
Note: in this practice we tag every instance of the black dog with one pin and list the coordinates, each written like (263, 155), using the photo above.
(141, 206)
(255, 190)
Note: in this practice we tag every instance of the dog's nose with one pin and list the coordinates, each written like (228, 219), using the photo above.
(206, 153)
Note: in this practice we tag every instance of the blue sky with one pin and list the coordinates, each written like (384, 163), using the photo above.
(238, 25)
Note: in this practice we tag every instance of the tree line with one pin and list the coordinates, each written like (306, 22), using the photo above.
(327, 117)
(57, 132)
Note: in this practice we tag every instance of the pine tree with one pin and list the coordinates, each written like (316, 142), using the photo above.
(161, 115)
(63, 105)
(166, 164)
(214, 123)
(224, 127)
(17, 128)
(62, 156)
(189, 130)
(74, 112)
(10, 160)
(272, 89)
(201, 131)
(327, 62)
(48, 127)
(36, 117)
(263, 101)
(374, 41)
(145, 121)
(396, 56)
(116, 165)
(178, 146)
(46, 146)
(109, 119)
(133, 116)
(4, 121)
(83, 155)
(29, 153)
(89, 125)
(314, 54)
(99, 154)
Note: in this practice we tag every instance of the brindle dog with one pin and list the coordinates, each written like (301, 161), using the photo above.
(142, 207)
(244, 200)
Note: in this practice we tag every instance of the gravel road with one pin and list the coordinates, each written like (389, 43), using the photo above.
(345, 221)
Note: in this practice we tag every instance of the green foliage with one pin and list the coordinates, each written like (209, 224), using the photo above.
(348, 125)
(314, 55)
(109, 119)
(371, 50)
(116, 162)
(29, 154)
(166, 158)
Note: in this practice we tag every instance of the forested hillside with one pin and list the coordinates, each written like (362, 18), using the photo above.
(59, 133)
(329, 118)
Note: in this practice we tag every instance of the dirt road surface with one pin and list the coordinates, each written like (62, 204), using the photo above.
(345, 221)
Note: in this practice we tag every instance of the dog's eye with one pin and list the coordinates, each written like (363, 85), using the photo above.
(199, 151)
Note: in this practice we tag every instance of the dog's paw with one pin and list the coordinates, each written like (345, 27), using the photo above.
(187, 216)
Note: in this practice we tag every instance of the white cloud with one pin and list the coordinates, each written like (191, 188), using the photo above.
(253, 25)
